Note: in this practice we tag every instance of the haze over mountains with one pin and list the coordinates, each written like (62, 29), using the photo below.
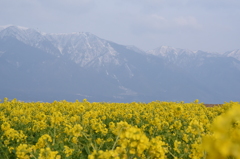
(36, 66)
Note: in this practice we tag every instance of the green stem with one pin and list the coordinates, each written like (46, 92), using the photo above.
(54, 134)
(114, 145)
(33, 156)
(171, 153)
(85, 136)
(3, 152)
(93, 147)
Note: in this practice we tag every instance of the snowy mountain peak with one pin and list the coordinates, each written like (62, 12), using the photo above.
(235, 54)
(16, 31)
(86, 49)
(11, 27)
(18, 27)
(83, 48)
(71, 34)
(26, 35)
(166, 51)
(3, 27)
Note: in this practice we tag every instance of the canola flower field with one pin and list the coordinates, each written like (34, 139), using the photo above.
(155, 130)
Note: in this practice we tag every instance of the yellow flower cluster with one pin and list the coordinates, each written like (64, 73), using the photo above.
(155, 130)
(132, 143)
(223, 141)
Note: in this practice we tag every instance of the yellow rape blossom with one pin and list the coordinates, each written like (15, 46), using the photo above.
(5, 126)
(43, 141)
(99, 141)
(176, 146)
(118, 130)
(77, 130)
(225, 140)
(68, 151)
(48, 154)
(23, 151)
(158, 148)
(75, 140)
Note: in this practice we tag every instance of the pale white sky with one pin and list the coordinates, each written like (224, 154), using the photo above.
(209, 25)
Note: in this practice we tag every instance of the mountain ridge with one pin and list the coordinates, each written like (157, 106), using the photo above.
(159, 51)
(47, 67)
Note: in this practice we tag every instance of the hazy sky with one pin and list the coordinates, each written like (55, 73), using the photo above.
(209, 25)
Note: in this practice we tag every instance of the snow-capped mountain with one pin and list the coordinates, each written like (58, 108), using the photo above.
(3, 27)
(235, 54)
(83, 48)
(166, 51)
(180, 57)
(26, 35)
(46, 67)
(184, 58)
(175, 54)
(29, 37)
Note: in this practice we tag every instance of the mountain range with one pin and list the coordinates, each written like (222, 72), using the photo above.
(37, 66)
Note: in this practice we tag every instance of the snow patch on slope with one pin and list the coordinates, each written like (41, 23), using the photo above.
(235, 54)
(84, 48)
(167, 51)
(129, 70)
